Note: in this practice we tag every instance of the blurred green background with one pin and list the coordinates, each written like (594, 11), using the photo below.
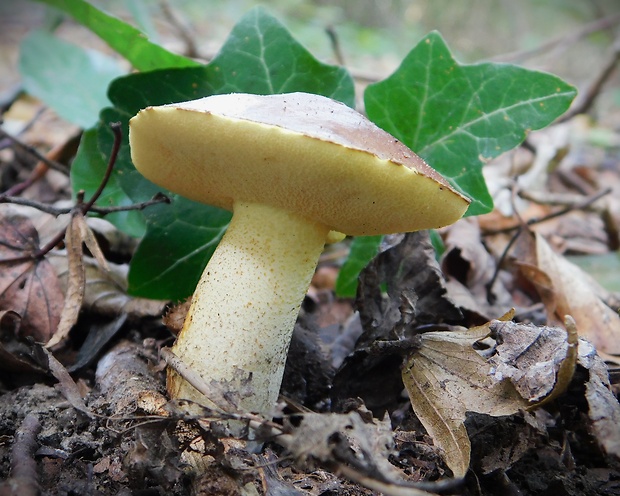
(373, 35)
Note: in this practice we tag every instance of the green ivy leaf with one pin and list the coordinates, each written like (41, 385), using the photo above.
(68, 78)
(123, 38)
(260, 56)
(457, 117)
(363, 249)
(179, 240)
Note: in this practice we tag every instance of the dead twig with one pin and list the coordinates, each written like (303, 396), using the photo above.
(24, 478)
(116, 146)
(59, 154)
(565, 40)
(158, 198)
(81, 207)
(582, 205)
(56, 211)
(523, 224)
(335, 43)
(52, 164)
(6, 141)
(191, 50)
(589, 96)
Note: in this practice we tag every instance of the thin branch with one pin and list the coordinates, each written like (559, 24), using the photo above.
(6, 141)
(500, 262)
(24, 475)
(587, 202)
(43, 207)
(116, 146)
(522, 224)
(60, 153)
(181, 28)
(158, 198)
(568, 39)
(589, 96)
(52, 164)
(335, 43)
(79, 207)
(56, 211)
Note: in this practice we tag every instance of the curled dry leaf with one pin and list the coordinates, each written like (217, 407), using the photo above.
(566, 290)
(103, 292)
(446, 378)
(74, 294)
(603, 407)
(77, 233)
(66, 384)
(30, 286)
(469, 268)
(539, 361)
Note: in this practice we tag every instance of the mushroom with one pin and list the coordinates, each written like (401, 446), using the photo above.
(292, 168)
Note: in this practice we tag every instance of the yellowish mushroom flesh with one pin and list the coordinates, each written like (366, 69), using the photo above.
(241, 319)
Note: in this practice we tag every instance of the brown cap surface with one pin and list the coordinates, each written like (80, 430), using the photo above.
(297, 151)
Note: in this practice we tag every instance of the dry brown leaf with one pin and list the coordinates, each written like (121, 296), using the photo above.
(74, 294)
(605, 415)
(175, 316)
(14, 353)
(575, 293)
(66, 384)
(446, 378)
(29, 287)
(89, 239)
(539, 361)
(106, 291)
(469, 268)
(603, 407)
(357, 445)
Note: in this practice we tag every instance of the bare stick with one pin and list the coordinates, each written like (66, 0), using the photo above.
(537, 220)
(52, 164)
(24, 477)
(182, 30)
(589, 96)
(335, 42)
(116, 129)
(592, 27)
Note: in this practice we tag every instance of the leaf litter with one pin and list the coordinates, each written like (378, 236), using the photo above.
(411, 310)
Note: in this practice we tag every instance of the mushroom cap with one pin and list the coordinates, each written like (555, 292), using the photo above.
(297, 151)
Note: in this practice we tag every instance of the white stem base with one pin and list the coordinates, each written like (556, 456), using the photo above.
(241, 319)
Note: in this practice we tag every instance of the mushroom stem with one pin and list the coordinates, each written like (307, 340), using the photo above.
(241, 319)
